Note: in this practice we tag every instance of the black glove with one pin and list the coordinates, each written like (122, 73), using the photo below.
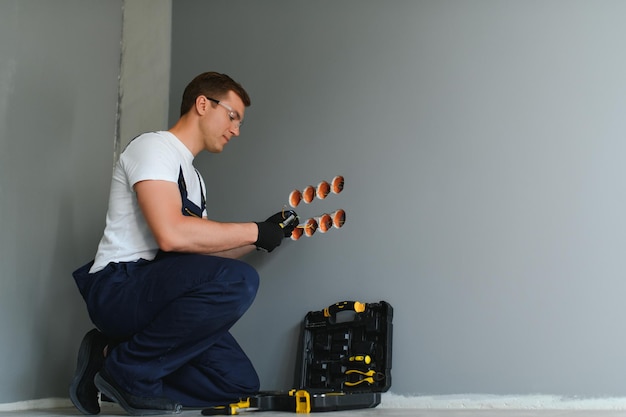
(281, 217)
(270, 236)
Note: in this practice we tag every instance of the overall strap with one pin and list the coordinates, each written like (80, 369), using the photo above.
(189, 208)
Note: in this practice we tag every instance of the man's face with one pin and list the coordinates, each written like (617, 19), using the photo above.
(222, 121)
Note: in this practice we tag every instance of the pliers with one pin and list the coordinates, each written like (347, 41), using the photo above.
(367, 377)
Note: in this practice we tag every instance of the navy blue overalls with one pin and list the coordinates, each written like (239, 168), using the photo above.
(171, 317)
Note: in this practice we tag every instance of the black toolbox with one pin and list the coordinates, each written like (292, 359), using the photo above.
(345, 362)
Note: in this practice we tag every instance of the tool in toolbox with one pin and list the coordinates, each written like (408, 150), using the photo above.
(371, 376)
(345, 363)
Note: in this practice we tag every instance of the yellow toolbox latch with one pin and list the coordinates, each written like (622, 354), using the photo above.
(303, 401)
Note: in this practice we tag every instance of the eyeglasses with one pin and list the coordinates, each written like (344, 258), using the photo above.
(233, 115)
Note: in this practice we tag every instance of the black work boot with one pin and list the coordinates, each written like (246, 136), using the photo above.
(134, 405)
(83, 391)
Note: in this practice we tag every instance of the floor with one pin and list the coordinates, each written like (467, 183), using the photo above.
(392, 405)
(114, 410)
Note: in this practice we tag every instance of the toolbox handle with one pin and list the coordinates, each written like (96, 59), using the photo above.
(331, 311)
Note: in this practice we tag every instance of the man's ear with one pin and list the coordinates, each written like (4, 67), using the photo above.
(202, 105)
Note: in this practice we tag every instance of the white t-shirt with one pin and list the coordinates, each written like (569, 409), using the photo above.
(151, 156)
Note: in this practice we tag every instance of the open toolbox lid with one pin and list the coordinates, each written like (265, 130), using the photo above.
(347, 348)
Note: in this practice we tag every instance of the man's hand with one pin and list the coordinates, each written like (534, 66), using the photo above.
(270, 235)
(275, 228)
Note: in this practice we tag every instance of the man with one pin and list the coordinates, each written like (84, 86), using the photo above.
(165, 286)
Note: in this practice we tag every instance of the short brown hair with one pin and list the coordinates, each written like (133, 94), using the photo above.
(213, 85)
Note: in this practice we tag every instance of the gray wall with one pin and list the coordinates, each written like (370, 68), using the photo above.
(59, 67)
(482, 144)
(145, 69)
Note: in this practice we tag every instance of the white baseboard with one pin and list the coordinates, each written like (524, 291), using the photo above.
(41, 404)
(423, 402)
(500, 402)
(47, 404)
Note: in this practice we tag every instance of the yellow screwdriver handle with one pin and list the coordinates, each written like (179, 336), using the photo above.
(355, 306)
(366, 359)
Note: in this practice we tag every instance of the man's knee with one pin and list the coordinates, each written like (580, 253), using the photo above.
(244, 380)
(250, 279)
(242, 281)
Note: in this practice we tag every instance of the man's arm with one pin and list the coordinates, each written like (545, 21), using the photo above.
(160, 203)
(235, 253)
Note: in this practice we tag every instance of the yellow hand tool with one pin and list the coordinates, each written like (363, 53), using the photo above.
(366, 359)
(371, 376)
(227, 410)
(355, 306)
